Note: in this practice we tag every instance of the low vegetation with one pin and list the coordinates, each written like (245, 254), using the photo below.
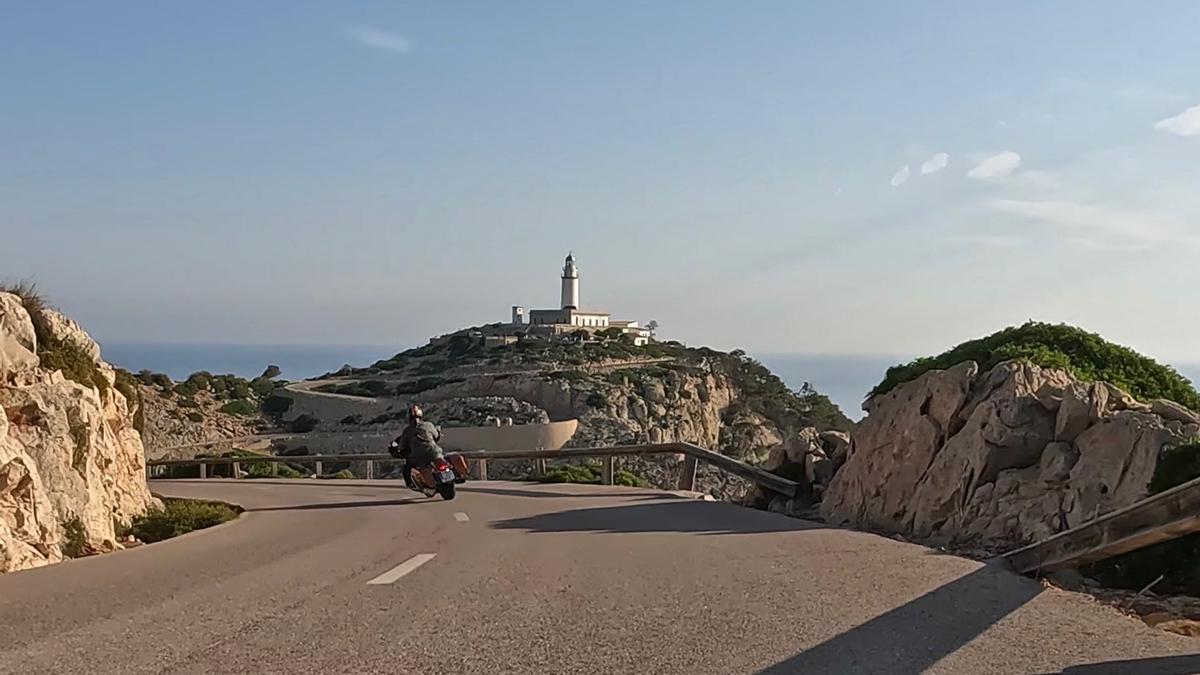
(74, 541)
(179, 516)
(1085, 355)
(590, 473)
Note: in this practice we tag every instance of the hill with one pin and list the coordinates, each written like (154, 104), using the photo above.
(619, 392)
(1087, 356)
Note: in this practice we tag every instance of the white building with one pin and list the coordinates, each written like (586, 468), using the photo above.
(569, 318)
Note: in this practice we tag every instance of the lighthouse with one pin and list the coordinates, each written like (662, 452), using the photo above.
(570, 284)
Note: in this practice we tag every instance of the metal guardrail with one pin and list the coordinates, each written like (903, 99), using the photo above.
(693, 454)
(1167, 515)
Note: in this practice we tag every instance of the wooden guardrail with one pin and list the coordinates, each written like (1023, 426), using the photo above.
(1167, 515)
(687, 480)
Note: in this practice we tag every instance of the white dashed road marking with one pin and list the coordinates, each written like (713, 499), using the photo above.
(461, 517)
(393, 575)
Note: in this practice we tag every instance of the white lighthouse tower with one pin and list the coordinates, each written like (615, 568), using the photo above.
(570, 284)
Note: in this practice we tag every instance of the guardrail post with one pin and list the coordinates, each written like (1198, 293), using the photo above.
(483, 469)
(274, 469)
(203, 470)
(539, 467)
(370, 469)
(606, 470)
(687, 474)
(237, 469)
(320, 468)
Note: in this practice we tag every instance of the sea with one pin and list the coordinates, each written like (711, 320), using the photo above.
(845, 379)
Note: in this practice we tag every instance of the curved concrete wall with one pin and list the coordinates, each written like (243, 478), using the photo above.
(550, 436)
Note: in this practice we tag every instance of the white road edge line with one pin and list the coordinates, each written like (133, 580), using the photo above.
(461, 517)
(393, 575)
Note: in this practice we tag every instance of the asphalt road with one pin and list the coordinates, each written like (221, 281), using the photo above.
(349, 577)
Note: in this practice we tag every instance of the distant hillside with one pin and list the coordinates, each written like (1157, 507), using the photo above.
(620, 393)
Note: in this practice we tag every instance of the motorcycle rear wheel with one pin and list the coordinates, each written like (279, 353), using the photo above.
(446, 490)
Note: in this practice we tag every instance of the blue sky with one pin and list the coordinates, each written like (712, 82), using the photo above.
(854, 178)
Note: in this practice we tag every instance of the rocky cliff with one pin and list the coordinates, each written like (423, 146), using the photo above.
(72, 468)
(1002, 457)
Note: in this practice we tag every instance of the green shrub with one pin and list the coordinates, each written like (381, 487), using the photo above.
(240, 407)
(303, 424)
(74, 541)
(276, 406)
(340, 475)
(263, 470)
(194, 417)
(179, 516)
(1085, 355)
(597, 400)
(572, 473)
(591, 474)
(130, 387)
(629, 479)
(194, 384)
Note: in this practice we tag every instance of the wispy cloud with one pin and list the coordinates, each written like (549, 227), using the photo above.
(379, 39)
(936, 163)
(996, 166)
(984, 240)
(1140, 91)
(1102, 226)
(1186, 123)
(901, 176)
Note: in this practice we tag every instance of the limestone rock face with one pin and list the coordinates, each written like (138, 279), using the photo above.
(18, 342)
(1000, 458)
(68, 452)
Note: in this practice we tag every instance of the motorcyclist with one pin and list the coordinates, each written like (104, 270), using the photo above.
(417, 444)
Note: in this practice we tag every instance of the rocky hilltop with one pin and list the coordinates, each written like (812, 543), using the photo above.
(72, 466)
(997, 450)
(619, 392)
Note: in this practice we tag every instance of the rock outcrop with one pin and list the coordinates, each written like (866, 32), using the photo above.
(172, 421)
(1001, 458)
(72, 467)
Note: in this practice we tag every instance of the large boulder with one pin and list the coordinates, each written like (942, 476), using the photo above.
(1000, 458)
(72, 466)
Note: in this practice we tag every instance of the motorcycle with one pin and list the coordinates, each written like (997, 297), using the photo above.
(441, 476)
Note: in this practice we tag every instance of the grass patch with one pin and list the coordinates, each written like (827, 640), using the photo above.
(179, 516)
(1085, 355)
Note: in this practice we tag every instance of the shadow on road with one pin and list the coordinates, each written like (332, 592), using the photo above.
(640, 494)
(662, 515)
(1164, 665)
(913, 637)
(321, 506)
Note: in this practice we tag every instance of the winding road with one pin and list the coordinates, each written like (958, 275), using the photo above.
(366, 577)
